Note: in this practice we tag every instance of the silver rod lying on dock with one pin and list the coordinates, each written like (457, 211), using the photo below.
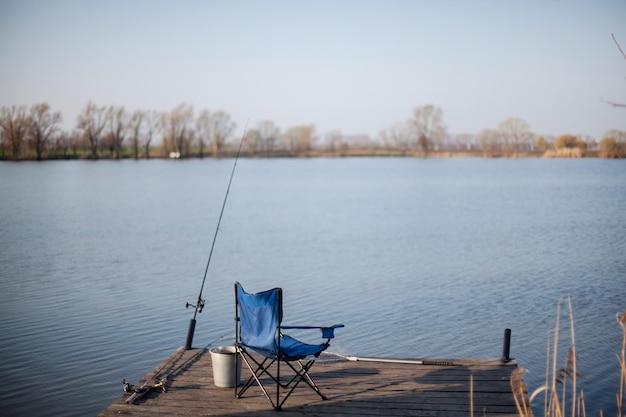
(392, 360)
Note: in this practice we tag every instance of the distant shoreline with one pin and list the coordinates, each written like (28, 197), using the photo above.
(322, 153)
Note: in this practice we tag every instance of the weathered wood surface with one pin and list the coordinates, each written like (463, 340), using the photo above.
(358, 388)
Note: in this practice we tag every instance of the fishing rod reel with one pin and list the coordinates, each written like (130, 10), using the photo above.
(199, 306)
(160, 384)
(127, 386)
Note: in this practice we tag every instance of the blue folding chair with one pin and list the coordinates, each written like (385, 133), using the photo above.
(259, 329)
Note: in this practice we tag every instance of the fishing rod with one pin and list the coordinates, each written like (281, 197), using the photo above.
(159, 377)
(402, 361)
(200, 303)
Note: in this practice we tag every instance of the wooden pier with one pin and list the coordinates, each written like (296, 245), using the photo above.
(442, 387)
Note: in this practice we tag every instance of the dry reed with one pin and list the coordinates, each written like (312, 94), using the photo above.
(564, 153)
(555, 389)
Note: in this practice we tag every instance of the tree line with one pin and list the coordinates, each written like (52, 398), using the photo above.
(114, 132)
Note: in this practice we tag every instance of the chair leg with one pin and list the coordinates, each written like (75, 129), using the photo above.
(301, 374)
(307, 378)
(258, 368)
(256, 373)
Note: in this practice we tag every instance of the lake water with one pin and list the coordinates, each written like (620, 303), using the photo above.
(416, 257)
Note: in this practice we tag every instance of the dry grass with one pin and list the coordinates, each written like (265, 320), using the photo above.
(560, 391)
(564, 153)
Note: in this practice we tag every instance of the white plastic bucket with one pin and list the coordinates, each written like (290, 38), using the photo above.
(223, 359)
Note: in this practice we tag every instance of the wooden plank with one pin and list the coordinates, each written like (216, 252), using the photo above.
(354, 388)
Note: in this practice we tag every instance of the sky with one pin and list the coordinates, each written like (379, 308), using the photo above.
(354, 66)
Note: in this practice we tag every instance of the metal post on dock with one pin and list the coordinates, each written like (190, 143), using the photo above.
(506, 347)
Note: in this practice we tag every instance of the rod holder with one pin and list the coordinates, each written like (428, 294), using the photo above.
(192, 328)
(506, 346)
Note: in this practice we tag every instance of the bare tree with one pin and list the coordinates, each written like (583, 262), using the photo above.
(335, 141)
(15, 124)
(489, 140)
(221, 129)
(541, 143)
(203, 130)
(176, 126)
(78, 142)
(118, 126)
(357, 141)
(299, 140)
(269, 134)
(515, 133)
(619, 135)
(62, 144)
(43, 123)
(252, 139)
(398, 136)
(613, 145)
(153, 124)
(427, 122)
(136, 123)
(463, 141)
(91, 123)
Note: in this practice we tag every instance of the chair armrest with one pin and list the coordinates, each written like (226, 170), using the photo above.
(334, 326)
(328, 332)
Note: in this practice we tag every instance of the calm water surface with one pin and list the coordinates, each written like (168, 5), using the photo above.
(416, 257)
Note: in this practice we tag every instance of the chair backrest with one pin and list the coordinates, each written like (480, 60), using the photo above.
(259, 317)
